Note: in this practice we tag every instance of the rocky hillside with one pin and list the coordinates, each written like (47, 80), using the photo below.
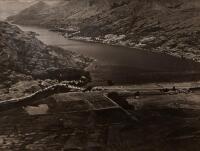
(163, 26)
(24, 58)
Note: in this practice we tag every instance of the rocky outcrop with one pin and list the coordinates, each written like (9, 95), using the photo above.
(69, 122)
(162, 26)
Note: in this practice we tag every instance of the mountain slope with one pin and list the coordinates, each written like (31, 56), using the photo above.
(12, 7)
(24, 57)
(163, 26)
(64, 10)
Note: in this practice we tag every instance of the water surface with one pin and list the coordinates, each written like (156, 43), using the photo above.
(124, 65)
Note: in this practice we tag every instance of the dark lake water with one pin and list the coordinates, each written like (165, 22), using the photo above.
(124, 65)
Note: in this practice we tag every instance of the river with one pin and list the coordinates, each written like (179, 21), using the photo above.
(124, 65)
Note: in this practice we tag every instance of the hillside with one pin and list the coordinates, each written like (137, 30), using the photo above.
(12, 7)
(162, 26)
(23, 58)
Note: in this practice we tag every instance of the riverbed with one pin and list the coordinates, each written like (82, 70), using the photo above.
(123, 65)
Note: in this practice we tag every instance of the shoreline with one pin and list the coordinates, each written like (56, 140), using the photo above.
(154, 85)
(117, 44)
(140, 80)
(155, 51)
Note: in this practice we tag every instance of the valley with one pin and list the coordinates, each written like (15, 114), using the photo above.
(112, 63)
(90, 75)
(164, 27)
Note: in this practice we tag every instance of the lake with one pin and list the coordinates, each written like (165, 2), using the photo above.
(124, 65)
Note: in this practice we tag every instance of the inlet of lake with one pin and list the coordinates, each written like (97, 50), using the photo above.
(124, 65)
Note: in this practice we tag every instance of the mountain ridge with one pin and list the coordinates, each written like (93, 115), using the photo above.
(170, 27)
